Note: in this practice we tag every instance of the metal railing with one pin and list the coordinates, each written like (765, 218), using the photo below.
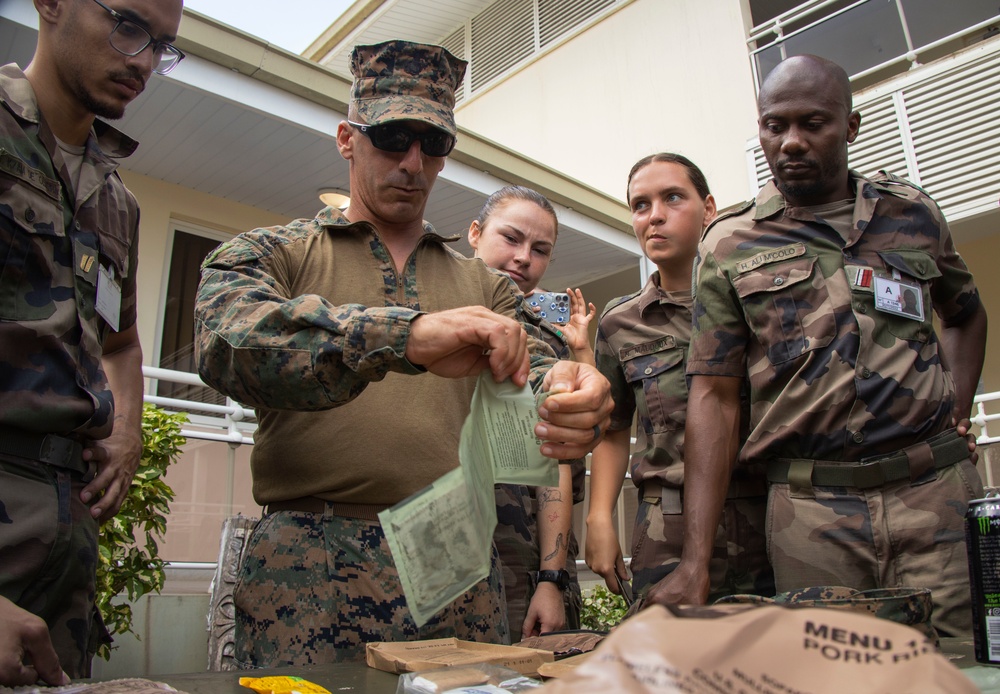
(982, 419)
(232, 418)
(234, 424)
(820, 12)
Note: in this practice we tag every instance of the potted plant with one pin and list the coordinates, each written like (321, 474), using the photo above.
(602, 609)
(129, 555)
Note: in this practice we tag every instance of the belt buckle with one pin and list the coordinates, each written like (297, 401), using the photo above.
(869, 474)
(65, 453)
(56, 450)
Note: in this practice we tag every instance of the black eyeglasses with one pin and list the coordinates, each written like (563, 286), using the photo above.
(128, 38)
(395, 137)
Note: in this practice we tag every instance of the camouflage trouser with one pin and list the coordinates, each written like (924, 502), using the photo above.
(48, 555)
(896, 535)
(314, 588)
(739, 558)
(516, 539)
(573, 597)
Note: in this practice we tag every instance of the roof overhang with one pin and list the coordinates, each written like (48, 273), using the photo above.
(250, 122)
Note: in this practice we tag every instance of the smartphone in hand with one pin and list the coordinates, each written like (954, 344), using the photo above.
(552, 306)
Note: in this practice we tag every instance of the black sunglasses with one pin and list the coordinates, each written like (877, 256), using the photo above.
(394, 137)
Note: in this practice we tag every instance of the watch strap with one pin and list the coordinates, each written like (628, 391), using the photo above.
(560, 577)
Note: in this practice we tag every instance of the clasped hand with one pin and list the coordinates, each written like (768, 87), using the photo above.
(464, 341)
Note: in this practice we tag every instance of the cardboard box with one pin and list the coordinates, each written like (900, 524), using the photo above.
(413, 656)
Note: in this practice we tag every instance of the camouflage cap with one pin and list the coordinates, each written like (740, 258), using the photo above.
(401, 80)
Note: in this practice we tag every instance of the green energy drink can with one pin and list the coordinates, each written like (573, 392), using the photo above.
(982, 537)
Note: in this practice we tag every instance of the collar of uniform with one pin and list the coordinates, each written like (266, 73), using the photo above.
(332, 217)
(114, 143)
(19, 97)
(652, 295)
(770, 201)
(17, 94)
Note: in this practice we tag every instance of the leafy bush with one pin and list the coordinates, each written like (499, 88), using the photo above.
(602, 609)
(129, 556)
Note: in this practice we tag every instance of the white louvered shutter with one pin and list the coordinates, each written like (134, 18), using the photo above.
(942, 132)
(502, 35)
(556, 17)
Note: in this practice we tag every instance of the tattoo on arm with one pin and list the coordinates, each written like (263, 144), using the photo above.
(549, 495)
(560, 542)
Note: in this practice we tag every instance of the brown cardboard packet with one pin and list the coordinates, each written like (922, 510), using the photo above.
(561, 668)
(413, 656)
(764, 649)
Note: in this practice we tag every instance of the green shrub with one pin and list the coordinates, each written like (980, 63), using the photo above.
(602, 609)
(129, 556)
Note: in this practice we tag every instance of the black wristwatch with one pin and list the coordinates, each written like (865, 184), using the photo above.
(560, 577)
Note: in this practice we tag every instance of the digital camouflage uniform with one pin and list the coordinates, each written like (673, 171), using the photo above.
(516, 534)
(308, 323)
(642, 344)
(52, 242)
(314, 588)
(784, 300)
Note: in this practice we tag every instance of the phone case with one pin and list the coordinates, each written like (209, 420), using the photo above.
(554, 306)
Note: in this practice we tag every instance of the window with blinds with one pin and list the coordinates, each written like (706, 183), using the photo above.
(939, 130)
(508, 33)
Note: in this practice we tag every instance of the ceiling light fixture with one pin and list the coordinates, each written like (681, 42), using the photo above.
(334, 197)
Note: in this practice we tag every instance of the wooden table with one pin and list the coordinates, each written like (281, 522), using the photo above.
(358, 677)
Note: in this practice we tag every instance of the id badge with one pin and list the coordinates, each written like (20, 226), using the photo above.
(109, 297)
(899, 297)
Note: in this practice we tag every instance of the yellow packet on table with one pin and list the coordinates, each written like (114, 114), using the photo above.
(282, 685)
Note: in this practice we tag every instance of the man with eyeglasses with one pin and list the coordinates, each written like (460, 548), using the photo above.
(70, 360)
(328, 327)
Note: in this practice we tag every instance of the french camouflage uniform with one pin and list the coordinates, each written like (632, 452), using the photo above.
(516, 535)
(641, 348)
(851, 405)
(308, 323)
(55, 235)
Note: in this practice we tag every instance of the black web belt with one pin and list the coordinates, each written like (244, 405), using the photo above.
(50, 449)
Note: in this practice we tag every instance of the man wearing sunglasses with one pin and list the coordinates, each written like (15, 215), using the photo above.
(329, 327)
(70, 360)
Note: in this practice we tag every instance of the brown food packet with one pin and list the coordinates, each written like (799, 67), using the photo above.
(766, 648)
